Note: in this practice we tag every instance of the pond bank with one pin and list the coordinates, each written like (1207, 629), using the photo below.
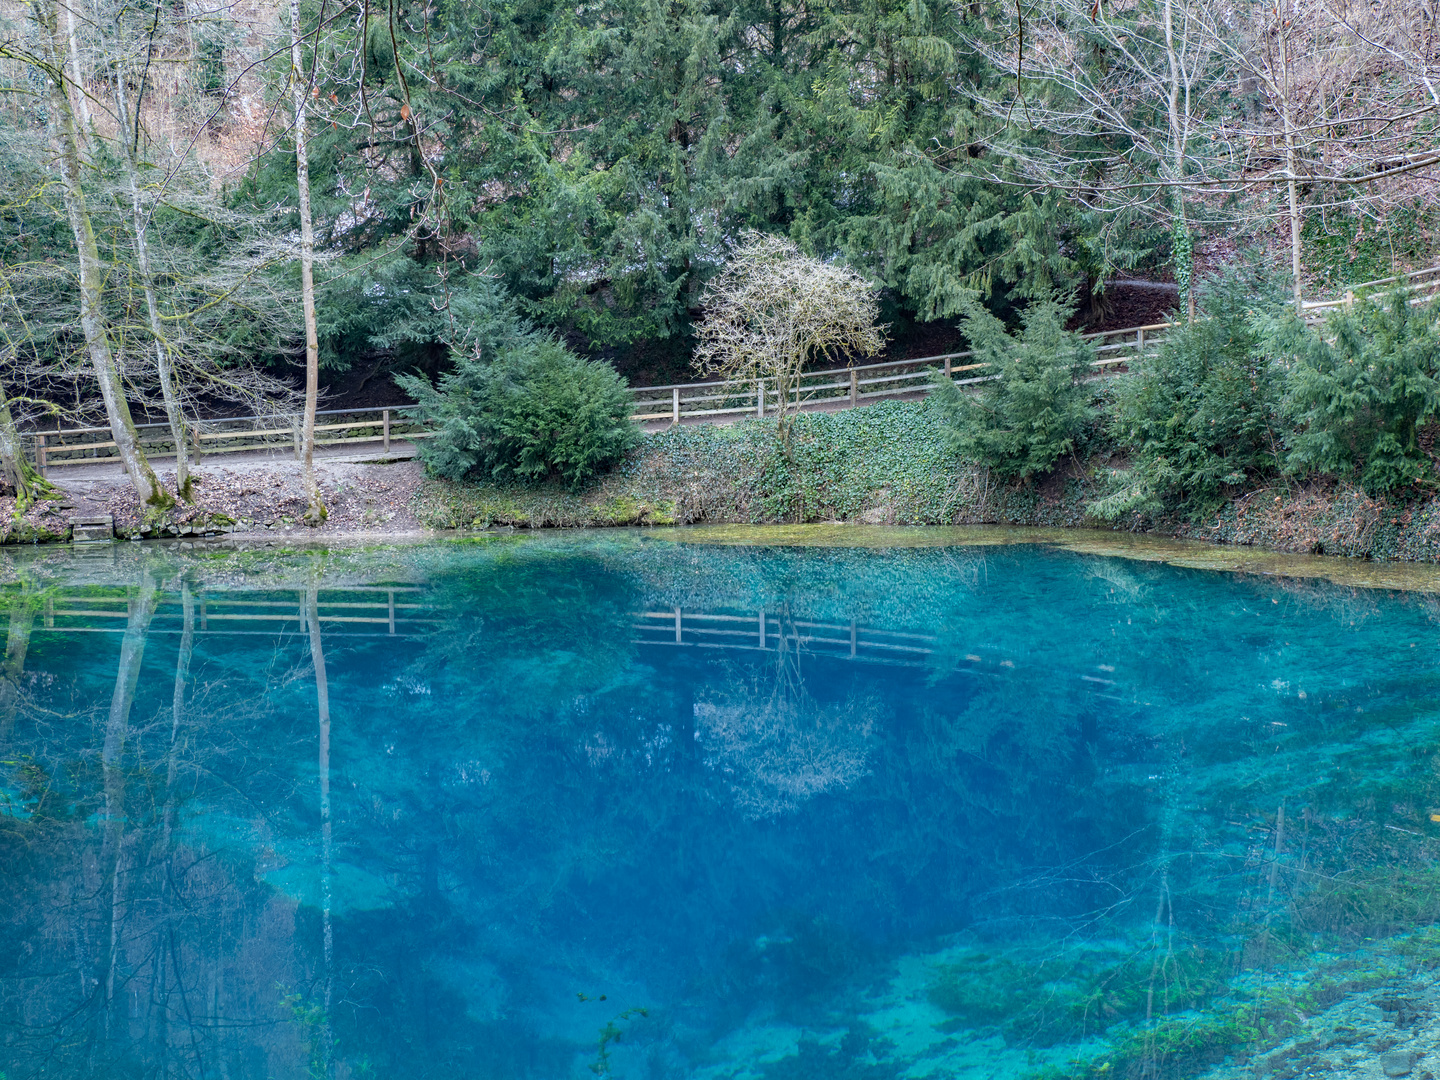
(887, 465)
(884, 465)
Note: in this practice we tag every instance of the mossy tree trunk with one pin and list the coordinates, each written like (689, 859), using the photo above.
(19, 474)
(164, 369)
(92, 270)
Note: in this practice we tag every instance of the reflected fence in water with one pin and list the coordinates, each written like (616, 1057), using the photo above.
(764, 632)
(381, 611)
(409, 611)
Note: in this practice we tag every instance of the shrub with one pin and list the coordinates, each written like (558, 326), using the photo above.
(1037, 409)
(1201, 415)
(1359, 389)
(536, 411)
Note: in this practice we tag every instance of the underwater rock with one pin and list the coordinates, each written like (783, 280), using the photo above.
(1399, 1062)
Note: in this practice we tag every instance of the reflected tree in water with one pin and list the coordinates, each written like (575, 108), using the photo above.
(774, 743)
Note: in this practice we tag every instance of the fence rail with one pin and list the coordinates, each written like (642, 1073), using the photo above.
(334, 427)
(861, 384)
(675, 403)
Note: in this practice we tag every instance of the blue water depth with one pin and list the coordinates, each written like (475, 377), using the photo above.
(641, 808)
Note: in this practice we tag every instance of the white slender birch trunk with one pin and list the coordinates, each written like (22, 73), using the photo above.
(1286, 115)
(164, 368)
(1184, 250)
(82, 106)
(152, 494)
(322, 699)
(315, 512)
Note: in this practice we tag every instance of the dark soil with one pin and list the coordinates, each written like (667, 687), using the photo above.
(1130, 304)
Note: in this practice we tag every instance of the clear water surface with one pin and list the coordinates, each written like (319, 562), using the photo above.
(635, 807)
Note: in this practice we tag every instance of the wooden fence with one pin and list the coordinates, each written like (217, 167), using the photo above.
(334, 427)
(862, 384)
(676, 403)
(1425, 283)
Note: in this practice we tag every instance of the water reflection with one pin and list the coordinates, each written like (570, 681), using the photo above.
(603, 807)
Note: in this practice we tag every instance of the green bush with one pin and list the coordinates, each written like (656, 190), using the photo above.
(536, 411)
(1037, 409)
(1201, 416)
(1359, 389)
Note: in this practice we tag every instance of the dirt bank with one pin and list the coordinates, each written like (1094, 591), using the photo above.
(237, 498)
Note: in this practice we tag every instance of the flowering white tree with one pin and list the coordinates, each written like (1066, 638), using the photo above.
(773, 310)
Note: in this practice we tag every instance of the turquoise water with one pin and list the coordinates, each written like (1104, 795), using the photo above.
(632, 807)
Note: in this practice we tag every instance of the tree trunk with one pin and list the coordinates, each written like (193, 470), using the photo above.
(1183, 243)
(315, 511)
(16, 469)
(112, 753)
(161, 1032)
(164, 369)
(322, 700)
(1282, 32)
(17, 644)
(92, 275)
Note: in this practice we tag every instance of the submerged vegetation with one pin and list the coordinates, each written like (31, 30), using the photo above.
(1103, 828)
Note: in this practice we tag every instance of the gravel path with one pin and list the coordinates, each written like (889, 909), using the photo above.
(258, 496)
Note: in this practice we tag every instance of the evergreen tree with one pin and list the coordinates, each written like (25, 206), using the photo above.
(1034, 408)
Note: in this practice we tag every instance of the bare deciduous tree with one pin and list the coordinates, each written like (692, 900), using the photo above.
(71, 142)
(773, 310)
(300, 89)
(1107, 106)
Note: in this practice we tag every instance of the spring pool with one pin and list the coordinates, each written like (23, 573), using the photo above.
(633, 805)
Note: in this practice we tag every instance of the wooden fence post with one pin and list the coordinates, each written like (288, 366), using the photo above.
(762, 629)
(1139, 344)
(854, 388)
(677, 627)
(40, 454)
(675, 405)
(391, 596)
(759, 397)
(195, 439)
(295, 433)
(386, 415)
(947, 367)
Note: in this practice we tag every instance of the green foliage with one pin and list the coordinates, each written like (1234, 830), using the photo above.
(597, 156)
(535, 411)
(1201, 415)
(1036, 408)
(1040, 999)
(405, 311)
(886, 464)
(1343, 248)
(1359, 389)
